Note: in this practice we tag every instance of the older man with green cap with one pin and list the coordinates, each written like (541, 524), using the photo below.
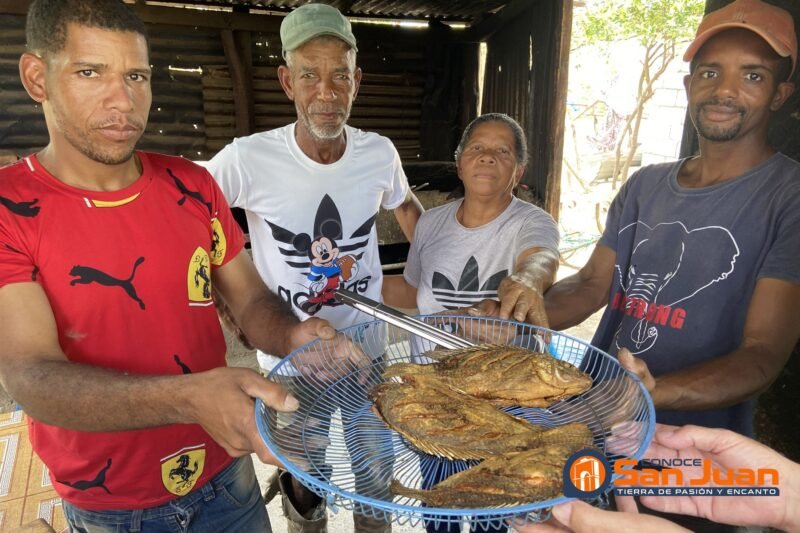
(313, 20)
(311, 191)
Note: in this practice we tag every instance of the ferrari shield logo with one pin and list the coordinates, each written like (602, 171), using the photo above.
(199, 278)
(181, 470)
(219, 243)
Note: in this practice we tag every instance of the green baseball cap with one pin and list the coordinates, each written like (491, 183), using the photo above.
(312, 20)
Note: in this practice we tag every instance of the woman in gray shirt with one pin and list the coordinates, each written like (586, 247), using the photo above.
(486, 245)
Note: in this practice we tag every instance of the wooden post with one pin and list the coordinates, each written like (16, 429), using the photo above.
(551, 33)
(559, 78)
(470, 53)
(440, 105)
(239, 55)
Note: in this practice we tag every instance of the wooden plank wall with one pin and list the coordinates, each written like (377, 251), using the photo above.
(192, 113)
(22, 127)
(389, 101)
(176, 124)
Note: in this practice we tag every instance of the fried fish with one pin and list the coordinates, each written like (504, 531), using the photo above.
(442, 421)
(503, 480)
(503, 375)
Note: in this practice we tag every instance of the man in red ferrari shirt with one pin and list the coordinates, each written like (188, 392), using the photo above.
(108, 336)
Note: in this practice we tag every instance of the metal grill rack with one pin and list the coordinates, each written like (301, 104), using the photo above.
(337, 446)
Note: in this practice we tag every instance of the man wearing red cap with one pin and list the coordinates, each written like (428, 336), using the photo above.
(699, 264)
(700, 261)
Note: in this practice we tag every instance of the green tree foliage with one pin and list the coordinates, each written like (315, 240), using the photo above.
(650, 21)
(660, 27)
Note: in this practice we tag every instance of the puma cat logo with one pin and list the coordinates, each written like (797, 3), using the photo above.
(98, 481)
(184, 367)
(23, 209)
(186, 192)
(85, 275)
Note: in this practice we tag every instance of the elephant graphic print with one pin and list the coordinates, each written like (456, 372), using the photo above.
(670, 264)
(689, 261)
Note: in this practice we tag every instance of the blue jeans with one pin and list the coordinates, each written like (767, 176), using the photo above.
(231, 501)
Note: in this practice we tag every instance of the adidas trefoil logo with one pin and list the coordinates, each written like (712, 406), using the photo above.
(469, 290)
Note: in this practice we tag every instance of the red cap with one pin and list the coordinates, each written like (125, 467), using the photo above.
(771, 23)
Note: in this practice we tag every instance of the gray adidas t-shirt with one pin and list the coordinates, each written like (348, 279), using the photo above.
(453, 266)
(687, 262)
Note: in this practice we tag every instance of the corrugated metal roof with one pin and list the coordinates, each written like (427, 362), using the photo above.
(469, 11)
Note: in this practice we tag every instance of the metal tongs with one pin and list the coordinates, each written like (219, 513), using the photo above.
(401, 320)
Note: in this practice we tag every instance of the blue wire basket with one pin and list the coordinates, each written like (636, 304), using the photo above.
(340, 449)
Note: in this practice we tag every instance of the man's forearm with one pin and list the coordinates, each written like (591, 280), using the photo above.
(718, 383)
(88, 398)
(571, 301)
(407, 215)
(267, 322)
(397, 292)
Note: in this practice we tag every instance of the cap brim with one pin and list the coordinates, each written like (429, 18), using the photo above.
(703, 38)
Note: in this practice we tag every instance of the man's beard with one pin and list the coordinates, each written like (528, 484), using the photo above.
(322, 133)
(714, 132)
(81, 140)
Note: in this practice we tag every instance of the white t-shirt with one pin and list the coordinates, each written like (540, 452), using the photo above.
(312, 226)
